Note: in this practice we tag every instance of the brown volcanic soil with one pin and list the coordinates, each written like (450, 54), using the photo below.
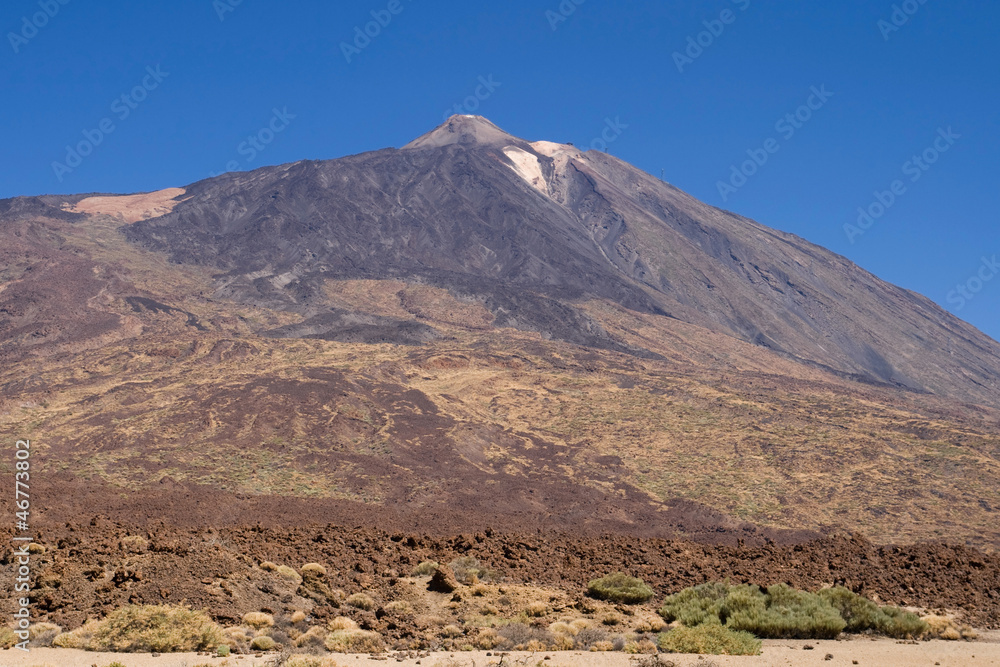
(86, 571)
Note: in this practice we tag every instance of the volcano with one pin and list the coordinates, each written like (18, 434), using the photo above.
(478, 330)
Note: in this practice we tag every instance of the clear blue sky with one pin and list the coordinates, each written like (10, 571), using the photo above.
(560, 75)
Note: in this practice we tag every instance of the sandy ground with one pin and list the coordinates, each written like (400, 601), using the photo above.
(881, 653)
(131, 208)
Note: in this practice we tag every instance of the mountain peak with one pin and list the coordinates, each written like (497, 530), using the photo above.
(464, 129)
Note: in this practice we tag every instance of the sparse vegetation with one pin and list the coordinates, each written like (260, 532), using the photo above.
(152, 628)
(7, 637)
(42, 634)
(355, 641)
(426, 568)
(135, 544)
(709, 639)
(289, 573)
(308, 661)
(620, 587)
(313, 571)
(258, 620)
(263, 643)
(361, 601)
(469, 570)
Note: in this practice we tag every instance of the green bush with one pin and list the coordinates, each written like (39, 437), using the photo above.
(901, 624)
(696, 605)
(222, 651)
(784, 613)
(152, 628)
(709, 638)
(619, 587)
(863, 615)
(860, 614)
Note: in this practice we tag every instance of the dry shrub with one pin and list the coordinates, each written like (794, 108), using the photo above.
(641, 647)
(7, 637)
(297, 617)
(79, 638)
(355, 641)
(268, 566)
(611, 619)
(564, 629)
(587, 637)
(649, 624)
(258, 620)
(361, 601)
(343, 623)
(289, 573)
(469, 570)
(426, 568)
(536, 609)
(155, 628)
(944, 627)
(313, 571)
(602, 646)
(314, 637)
(42, 634)
(487, 639)
(237, 639)
(263, 643)
(518, 637)
(35, 548)
(401, 607)
(451, 631)
(135, 544)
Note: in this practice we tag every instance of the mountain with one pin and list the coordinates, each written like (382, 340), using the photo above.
(530, 230)
(480, 330)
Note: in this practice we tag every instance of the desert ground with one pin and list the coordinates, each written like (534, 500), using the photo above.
(880, 652)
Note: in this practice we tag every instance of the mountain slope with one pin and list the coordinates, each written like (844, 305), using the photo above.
(531, 229)
(475, 331)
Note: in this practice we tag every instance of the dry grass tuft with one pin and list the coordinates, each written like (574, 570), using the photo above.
(361, 601)
(258, 620)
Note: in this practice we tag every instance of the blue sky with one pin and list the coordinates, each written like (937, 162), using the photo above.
(697, 88)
